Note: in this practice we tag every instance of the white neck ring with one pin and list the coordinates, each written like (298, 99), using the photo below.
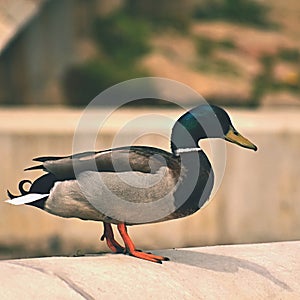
(186, 150)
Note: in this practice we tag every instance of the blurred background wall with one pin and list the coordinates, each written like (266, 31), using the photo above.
(56, 56)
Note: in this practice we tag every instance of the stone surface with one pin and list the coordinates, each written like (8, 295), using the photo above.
(261, 271)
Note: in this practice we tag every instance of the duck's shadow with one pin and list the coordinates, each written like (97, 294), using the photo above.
(220, 263)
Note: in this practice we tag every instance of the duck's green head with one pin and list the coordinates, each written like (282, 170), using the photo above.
(206, 121)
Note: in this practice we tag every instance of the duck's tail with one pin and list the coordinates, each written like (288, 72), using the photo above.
(26, 196)
(21, 189)
(26, 199)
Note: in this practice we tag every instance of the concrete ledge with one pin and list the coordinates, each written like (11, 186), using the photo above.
(256, 271)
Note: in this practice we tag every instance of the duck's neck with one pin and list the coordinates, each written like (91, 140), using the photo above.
(183, 143)
(185, 137)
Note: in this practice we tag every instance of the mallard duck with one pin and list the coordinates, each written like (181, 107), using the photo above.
(135, 184)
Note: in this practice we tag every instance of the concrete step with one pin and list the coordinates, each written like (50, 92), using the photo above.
(253, 271)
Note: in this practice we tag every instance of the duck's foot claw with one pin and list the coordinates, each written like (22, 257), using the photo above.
(148, 256)
(131, 250)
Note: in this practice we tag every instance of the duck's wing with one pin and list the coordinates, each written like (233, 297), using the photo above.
(124, 159)
(132, 185)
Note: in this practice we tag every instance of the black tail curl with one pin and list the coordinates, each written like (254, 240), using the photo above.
(41, 185)
(21, 189)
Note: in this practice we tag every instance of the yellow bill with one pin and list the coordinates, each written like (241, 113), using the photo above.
(234, 137)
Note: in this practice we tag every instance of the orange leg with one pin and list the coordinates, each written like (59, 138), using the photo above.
(110, 240)
(131, 248)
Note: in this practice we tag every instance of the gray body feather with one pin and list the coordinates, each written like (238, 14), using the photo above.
(129, 197)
